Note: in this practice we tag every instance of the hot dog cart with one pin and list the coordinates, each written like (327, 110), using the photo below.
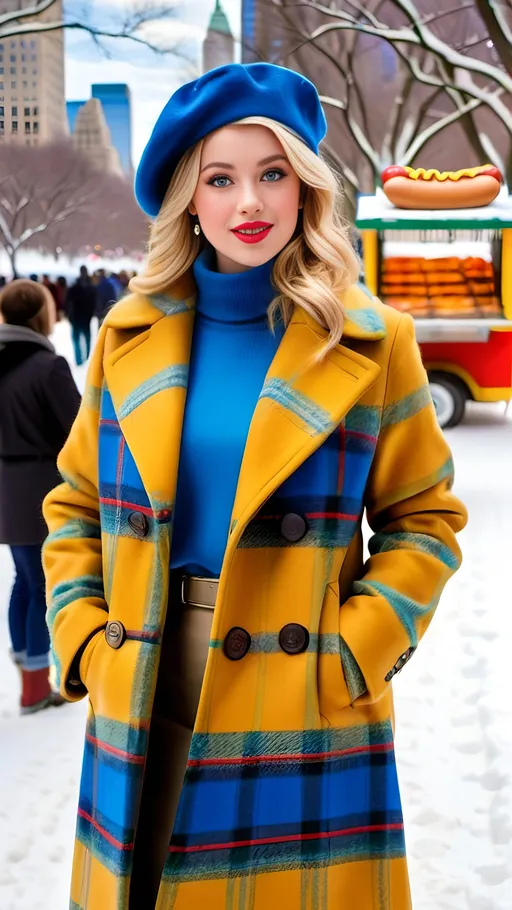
(452, 271)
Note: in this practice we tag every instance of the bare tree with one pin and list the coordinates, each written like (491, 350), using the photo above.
(131, 24)
(113, 223)
(451, 70)
(51, 196)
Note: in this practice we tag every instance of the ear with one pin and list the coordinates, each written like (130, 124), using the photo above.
(192, 209)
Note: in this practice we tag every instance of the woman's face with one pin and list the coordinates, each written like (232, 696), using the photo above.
(246, 183)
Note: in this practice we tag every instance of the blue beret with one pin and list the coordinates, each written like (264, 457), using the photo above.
(219, 97)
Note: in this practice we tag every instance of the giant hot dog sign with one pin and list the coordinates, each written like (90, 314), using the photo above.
(408, 188)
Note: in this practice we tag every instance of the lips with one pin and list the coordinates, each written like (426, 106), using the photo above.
(252, 231)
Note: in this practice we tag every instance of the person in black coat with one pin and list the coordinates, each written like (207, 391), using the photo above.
(81, 306)
(38, 404)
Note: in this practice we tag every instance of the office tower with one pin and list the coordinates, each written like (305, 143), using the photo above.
(91, 136)
(219, 45)
(116, 103)
(32, 105)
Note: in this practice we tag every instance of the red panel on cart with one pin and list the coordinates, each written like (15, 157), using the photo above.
(489, 363)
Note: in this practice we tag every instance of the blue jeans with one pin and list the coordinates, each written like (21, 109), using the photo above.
(82, 343)
(27, 610)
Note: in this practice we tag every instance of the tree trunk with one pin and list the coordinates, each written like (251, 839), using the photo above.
(12, 254)
(496, 32)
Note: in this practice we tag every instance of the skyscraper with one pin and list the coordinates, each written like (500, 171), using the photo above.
(32, 105)
(116, 102)
(91, 136)
(219, 45)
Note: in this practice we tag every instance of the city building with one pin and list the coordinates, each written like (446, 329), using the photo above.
(116, 104)
(72, 108)
(32, 105)
(91, 136)
(219, 44)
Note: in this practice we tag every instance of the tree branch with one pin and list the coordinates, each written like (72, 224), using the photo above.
(498, 29)
(25, 22)
(416, 34)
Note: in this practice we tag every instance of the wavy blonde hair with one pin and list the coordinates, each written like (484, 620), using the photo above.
(314, 268)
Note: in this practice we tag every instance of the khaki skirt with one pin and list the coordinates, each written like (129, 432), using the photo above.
(180, 677)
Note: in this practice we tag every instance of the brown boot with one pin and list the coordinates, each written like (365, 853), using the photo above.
(37, 692)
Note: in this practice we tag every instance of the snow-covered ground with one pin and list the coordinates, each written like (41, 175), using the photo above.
(454, 720)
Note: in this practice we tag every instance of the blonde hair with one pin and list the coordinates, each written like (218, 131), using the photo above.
(26, 303)
(314, 268)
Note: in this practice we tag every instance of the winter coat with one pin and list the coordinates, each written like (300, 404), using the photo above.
(81, 304)
(38, 403)
(291, 796)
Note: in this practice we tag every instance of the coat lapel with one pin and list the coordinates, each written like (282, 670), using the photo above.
(147, 379)
(296, 412)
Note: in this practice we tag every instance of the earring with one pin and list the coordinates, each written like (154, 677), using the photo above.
(197, 229)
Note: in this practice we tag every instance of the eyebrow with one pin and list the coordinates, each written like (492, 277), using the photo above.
(231, 167)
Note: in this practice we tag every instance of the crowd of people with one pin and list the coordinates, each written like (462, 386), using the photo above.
(90, 295)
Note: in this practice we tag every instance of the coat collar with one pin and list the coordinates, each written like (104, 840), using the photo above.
(147, 379)
(362, 318)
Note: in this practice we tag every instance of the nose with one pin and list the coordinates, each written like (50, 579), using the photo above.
(249, 201)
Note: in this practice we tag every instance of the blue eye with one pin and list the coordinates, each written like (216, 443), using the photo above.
(213, 180)
(274, 171)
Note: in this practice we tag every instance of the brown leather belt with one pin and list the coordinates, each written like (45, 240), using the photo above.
(199, 592)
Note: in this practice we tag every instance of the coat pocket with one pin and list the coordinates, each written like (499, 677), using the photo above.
(333, 694)
(86, 658)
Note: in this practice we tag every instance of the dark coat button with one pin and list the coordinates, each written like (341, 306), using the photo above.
(293, 638)
(237, 643)
(139, 523)
(115, 633)
(293, 527)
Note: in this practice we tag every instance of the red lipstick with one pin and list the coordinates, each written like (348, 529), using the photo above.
(256, 231)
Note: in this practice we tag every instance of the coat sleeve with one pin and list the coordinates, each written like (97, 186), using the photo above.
(414, 517)
(72, 556)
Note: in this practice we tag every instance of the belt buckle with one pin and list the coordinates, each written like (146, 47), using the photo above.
(195, 603)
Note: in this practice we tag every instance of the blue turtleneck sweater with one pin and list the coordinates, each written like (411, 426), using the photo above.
(232, 349)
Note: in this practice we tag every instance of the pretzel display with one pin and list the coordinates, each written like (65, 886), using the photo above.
(473, 187)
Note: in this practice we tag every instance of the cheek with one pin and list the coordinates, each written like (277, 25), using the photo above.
(288, 202)
(212, 208)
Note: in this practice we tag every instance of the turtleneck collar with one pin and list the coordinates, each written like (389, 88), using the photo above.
(232, 298)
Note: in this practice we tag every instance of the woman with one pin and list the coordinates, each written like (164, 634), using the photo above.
(39, 401)
(239, 748)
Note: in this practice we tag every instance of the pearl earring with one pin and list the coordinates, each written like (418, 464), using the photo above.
(197, 229)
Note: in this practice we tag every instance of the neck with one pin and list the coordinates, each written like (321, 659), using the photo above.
(232, 297)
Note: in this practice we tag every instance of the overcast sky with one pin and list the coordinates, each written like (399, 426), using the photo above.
(152, 79)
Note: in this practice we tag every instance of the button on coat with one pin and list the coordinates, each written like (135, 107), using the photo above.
(115, 633)
(293, 527)
(139, 524)
(293, 638)
(237, 643)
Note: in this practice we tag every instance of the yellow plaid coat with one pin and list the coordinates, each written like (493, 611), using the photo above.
(290, 798)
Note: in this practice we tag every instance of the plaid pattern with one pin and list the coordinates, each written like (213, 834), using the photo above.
(290, 796)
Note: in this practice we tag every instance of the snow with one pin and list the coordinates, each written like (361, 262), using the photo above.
(453, 717)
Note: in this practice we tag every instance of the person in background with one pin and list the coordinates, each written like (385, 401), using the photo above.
(51, 287)
(39, 404)
(115, 281)
(61, 293)
(106, 295)
(124, 280)
(2, 281)
(81, 307)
